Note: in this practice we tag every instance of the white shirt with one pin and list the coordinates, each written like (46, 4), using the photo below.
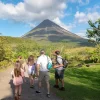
(31, 69)
(43, 61)
(59, 61)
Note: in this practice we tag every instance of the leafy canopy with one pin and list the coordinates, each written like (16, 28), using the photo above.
(93, 33)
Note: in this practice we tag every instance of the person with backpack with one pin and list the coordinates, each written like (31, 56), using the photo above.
(43, 71)
(31, 70)
(18, 75)
(59, 71)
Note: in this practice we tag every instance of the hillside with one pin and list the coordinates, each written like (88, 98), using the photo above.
(49, 31)
(15, 40)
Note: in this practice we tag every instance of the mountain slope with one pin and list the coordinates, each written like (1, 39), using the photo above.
(49, 31)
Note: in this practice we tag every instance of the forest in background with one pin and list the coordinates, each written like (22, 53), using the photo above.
(77, 56)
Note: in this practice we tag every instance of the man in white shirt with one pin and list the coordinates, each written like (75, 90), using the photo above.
(42, 71)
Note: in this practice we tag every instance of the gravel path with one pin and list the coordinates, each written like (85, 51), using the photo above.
(7, 89)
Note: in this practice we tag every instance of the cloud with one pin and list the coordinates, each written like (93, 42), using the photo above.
(32, 10)
(82, 33)
(81, 2)
(82, 17)
(32, 25)
(94, 8)
(67, 27)
(92, 13)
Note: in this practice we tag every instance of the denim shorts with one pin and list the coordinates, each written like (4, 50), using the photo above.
(59, 74)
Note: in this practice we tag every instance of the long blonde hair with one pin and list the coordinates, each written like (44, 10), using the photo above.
(30, 59)
(17, 69)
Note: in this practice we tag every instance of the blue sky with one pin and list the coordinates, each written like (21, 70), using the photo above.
(17, 17)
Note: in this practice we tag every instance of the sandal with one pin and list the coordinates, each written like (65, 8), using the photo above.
(19, 97)
(16, 96)
(32, 86)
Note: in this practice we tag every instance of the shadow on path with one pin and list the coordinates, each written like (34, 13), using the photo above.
(29, 93)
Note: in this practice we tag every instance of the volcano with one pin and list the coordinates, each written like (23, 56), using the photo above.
(50, 31)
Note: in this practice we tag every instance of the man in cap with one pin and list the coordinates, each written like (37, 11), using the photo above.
(59, 71)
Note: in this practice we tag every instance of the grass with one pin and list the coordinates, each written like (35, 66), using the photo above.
(80, 83)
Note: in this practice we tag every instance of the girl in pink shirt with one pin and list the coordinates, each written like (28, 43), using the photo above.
(18, 75)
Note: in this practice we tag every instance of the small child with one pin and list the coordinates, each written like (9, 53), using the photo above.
(18, 75)
(31, 70)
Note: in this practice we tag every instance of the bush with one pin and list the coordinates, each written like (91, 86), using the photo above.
(4, 64)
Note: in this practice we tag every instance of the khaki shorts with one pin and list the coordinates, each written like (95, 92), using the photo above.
(44, 75)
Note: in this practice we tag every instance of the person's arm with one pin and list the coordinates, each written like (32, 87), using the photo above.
(60, 63)
(37, 67)
(23, 66)
(12, 73)
(23, 75)
(57, 66)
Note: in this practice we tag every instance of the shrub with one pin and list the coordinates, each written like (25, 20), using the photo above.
(4, 64)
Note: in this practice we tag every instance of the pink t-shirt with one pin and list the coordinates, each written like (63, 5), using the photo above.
(18, 80)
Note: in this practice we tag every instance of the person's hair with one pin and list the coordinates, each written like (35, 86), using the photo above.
(57, 52)
(30, 58)
(42, 51)
(17, 69)
(20, 57)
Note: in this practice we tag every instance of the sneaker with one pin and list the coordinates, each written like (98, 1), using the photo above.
(32, 86)
(38, 92)
(56, 86)
(48, 95)
(62, 89)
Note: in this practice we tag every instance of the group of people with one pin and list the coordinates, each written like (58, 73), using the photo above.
(38, 69)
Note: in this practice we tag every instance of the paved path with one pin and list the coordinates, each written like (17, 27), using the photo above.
(7, 89)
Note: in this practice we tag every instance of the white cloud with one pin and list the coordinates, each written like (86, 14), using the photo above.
(67, 27)
(31, 25)
(33, 10)
(82, 33)
(82, 17)
(90, 14)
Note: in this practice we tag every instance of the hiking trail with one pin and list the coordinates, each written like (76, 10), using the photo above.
(7, 89)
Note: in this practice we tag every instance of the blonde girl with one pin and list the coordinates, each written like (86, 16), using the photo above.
(18, 75)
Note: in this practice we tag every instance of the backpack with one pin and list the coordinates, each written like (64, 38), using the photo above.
(49, 65)
(65, 63)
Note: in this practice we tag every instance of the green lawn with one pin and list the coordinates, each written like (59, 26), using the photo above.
(80, 83)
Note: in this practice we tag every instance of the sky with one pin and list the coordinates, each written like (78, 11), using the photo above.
(17, 17)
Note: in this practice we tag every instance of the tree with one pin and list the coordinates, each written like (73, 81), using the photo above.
(93, 33)
(5, 49)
